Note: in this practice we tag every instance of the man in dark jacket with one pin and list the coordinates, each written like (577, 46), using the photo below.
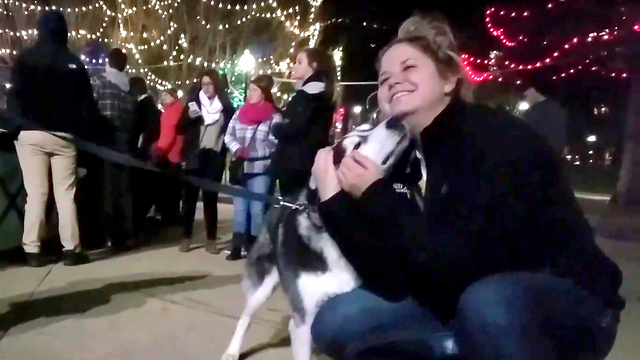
(111, 91)
(45, 118)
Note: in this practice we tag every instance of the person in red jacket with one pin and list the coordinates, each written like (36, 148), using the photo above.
(168, 148)
(167, 153)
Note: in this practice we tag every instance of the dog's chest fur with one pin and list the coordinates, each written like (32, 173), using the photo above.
(320, 270)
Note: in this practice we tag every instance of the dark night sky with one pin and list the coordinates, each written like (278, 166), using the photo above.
(361, 45)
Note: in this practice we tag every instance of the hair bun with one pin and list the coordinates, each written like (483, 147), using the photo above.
(435, 29)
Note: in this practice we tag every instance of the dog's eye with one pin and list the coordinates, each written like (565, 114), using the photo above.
(357, 146)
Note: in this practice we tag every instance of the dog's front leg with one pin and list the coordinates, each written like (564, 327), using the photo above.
(300, 333)
(255, 299)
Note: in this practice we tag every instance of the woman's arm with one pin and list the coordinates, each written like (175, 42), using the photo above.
(298, 113)
(230, 137)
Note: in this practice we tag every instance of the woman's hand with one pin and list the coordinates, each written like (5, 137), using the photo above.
(241, 153)
(356, 173)
(324, 174)
(194, 113)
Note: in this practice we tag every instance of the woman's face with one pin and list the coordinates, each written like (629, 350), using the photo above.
(207, 87)
(254, 94)
(301, 69)
(166, 99)
(409, 85)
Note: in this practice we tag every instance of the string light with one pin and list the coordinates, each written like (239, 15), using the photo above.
(337, 58)
(125, 20)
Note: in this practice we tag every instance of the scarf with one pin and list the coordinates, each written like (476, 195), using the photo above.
(119, 78)
(254, 114)
(211, 109)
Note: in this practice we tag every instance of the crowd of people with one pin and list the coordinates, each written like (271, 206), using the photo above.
(501, 255)
(190, 136)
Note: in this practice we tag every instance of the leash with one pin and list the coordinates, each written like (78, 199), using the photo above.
(208, 185)
(205, 184)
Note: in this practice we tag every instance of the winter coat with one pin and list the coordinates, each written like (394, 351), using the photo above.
(260, 148)
(146, 127)
(192, 131)
(170, 142)
(498, 201)
(308, 119)
(51, 90)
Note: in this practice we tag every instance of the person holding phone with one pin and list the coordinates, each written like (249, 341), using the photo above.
(203, 123)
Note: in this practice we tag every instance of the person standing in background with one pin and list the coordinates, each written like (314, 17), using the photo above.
(146, 131)
(204, 122)
(166, 153)
(249, 137)
(45, 120)
(308, 118)
(111, 91)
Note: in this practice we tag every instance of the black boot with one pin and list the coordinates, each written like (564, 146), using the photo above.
(251, 241)
(237, 241)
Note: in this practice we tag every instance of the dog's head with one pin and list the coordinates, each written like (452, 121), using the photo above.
(383, 144)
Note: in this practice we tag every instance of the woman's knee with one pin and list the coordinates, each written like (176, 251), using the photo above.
(338, 323)
(496, 301)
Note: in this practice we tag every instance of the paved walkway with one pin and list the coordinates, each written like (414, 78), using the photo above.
(159, 304)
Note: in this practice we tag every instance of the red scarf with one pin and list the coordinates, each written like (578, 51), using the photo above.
(254, 114)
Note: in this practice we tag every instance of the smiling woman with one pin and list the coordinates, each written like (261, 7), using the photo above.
(502, 256)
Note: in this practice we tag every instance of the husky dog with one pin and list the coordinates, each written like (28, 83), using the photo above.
(295, 250)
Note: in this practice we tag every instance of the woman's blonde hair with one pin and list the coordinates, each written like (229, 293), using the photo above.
(432, 36)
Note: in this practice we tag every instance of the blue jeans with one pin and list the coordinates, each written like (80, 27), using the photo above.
(242, 208)
(519, 316)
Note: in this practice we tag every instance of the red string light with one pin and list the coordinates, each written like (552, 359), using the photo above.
(499, 32)
(605, 35)
(584, 66)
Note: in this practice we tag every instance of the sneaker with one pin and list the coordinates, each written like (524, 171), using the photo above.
(35, 260)
(73, 258)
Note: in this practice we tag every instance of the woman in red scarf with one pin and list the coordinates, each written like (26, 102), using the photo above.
(249, 137)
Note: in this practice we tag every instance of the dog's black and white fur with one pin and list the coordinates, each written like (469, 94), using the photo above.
(295, 250)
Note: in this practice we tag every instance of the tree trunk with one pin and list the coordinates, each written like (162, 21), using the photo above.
(621, 220)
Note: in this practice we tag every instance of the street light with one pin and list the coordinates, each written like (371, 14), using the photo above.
(247, 62)
(357, 109)
(591, 138)
(523, 106)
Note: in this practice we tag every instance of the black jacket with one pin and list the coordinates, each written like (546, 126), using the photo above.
(51, 88)
(146, 125)
(498, 201)
(308, 119)
(190, 128)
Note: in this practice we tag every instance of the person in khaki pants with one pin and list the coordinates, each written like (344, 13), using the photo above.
(49, 101)
(39, 151)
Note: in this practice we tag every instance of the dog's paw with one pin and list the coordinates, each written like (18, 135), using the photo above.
(229, 356)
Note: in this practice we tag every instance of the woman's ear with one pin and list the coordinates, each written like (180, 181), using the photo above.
(313, 66)
(450, 85)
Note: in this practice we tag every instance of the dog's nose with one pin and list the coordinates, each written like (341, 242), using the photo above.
(395, 124)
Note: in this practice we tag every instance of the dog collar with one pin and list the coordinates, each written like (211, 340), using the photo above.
(295, 206)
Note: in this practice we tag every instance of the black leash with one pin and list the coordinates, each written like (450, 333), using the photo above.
(132, 162)
(208, 185)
